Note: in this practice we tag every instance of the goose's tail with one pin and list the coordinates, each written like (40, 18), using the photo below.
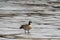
(21, 27)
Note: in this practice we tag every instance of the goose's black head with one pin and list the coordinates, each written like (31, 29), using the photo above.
(29, 22)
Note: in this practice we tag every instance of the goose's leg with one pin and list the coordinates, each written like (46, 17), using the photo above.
(28, 32)
(25, 31)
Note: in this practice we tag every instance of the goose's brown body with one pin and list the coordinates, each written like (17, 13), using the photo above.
(27, 27)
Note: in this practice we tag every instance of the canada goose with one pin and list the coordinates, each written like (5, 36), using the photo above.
(26, 27)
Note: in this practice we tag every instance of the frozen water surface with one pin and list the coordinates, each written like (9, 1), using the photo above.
(45, 19)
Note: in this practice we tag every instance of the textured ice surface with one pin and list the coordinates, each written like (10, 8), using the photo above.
(43, 26)
(40, 27)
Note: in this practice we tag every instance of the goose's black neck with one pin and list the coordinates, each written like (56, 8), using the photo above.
(29, 23)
